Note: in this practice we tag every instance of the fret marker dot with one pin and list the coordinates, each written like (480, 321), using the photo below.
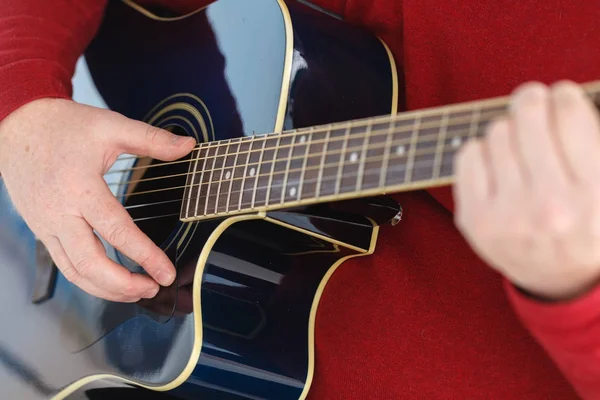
(456, 142)
(354, 157)
(400, 150)
(228, 175)
(292, 191)
(252, 171)
(302, 139)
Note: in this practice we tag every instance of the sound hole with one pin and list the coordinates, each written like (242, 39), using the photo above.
(154, 195)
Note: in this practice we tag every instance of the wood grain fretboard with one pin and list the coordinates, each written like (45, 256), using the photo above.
(344, 160)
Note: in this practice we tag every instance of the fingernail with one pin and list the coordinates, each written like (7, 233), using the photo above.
(181, 140)
(176, 138)
(165, 278)
(150, 293)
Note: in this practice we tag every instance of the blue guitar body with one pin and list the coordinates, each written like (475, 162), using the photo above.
(239, 321)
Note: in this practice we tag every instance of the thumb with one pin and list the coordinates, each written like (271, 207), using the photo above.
(139, 138)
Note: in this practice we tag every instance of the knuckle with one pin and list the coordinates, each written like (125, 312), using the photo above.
(71, 275)
(153, 134)
(554, 216)
(533, 90)
(144, 259)
(84, 266)
(128, 289)
(565, 87)
(118, 235)
(531, 96)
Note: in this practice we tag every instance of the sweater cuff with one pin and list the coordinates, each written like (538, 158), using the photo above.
(556, 317)
(23, 82)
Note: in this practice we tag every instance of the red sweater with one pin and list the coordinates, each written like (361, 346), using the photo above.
(432, 320)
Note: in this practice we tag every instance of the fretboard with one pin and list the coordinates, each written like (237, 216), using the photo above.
(340, 161)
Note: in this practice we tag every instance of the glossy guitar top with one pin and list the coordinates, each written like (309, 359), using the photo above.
(238, 322)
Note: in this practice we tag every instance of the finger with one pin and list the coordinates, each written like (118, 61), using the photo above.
(88, 256)
(505, 164)
(578, 130)
(536, 142)
(112, 222)
(473, 186)
(63, 263)
(139, 138)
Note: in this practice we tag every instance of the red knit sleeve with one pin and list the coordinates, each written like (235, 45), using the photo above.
(570, 334)
(40, 42)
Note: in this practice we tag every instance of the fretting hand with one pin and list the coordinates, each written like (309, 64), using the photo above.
(528, 195)
(53, 155)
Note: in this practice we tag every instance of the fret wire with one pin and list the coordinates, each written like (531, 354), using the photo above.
(219, 144)
(301, 181)
(210, 179)
(454, 121)
(237, 153)
(287, 170)
(202, 179)
(275, 154)
(260, 159)
(377, 132)
(386, 155)
(363, 161)
(415, 167)
(474, 123)
(368, 172)
(190, 180)
(342, 158)
(413, 149)
(246, 173)
(322, 164)
(440, 143)
(330, 165)
(222, 172)
(372, 159)
(374, 171)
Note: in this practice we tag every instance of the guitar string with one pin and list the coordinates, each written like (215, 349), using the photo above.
(446, 150)
(366, 160)
(257, 178)
(420, 165)
(409, 116)
(395, 143)
(591, 89)
(295, 133)
(268, 203)
(374, 133)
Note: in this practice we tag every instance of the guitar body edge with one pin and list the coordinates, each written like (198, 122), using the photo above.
(108, 381)
(239, 321)
(197, 319)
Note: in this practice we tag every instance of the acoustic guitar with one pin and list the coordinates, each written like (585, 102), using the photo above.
(295, 112)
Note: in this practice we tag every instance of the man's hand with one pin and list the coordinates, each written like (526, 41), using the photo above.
(53, 155)
(528, 194)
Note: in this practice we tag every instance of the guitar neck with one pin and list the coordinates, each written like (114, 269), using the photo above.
(339, 161)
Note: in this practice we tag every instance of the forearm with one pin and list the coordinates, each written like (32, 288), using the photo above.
(570, 334)
(40, 42)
